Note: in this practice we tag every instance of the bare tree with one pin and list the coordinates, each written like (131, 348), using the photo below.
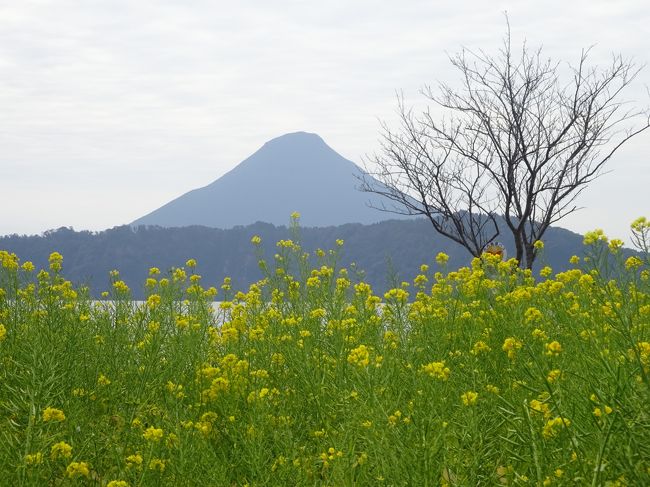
(515, 142)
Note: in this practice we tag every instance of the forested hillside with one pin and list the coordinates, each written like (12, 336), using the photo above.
(386, 252)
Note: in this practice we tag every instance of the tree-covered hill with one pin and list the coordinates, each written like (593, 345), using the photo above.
(387, 252)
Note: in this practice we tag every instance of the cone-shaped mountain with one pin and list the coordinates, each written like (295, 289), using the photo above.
(294, 172)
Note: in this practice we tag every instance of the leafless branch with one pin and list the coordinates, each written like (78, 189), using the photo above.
(514, 141)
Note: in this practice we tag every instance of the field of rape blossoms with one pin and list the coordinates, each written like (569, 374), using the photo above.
(481, 376)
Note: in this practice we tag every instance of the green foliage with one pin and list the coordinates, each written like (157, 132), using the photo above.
(480, 376)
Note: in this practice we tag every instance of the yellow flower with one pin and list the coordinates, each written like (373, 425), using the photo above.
(60, 450)
(134, 460)
(9, 261)
(480, 347)
(397, 294)
(574, 259)
(546, 271)
(256, 240)
(295, 215)
(28, 266)
(510, 346)
(359, 356)
(3, 332)
(102, 380)
(55, 260)
(154, 271)
(532, 315)
(120, 287)
(362, 458)
(553, 375)
(442, 258)
(34, 458)
(317, 313)
(286, 244)
(553, 348)
(540, 407)
(77, 469)
(553, 426)
(538, 245)
(171, 441)
(153, 434)
(157, 464)
(178, 275)
(53, 414)
(191, 263)
(633, 263)
(599, 412)
(394, 418)
(640, 224)
(153, 301)
(469, 398)
(313, 281)
(436, 370)
(594, 236)
(540, 334)
(615, 245)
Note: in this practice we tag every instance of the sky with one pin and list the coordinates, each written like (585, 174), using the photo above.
(112, 108)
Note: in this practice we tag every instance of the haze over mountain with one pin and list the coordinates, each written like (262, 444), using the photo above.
(294, 172)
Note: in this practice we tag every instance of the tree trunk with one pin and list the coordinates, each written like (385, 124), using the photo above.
(519, 247)
(530, 255)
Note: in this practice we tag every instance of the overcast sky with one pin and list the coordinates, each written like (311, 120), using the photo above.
(109, 109)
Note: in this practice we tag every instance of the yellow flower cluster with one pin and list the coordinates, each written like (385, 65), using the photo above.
(359, 356)
(510, 346)
(77, 469)
(34, 458)
(469, 398)
(60, 450)
(312, 377)
(554, 425)
(553, 348)
(53, 414)
(55, 261)
(153, 434)
(442, 258)
(437, 370)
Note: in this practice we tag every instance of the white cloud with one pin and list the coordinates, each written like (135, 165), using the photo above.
(113, 108)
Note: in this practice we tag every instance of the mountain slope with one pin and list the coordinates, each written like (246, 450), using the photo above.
(294, 172)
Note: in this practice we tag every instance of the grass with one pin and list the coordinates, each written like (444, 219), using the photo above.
(480, 376)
